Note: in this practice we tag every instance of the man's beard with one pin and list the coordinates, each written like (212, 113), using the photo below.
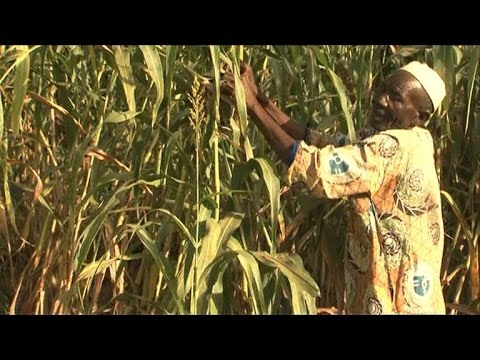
(381, 120)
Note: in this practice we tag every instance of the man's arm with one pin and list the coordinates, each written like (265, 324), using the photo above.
(295, 130)
(337, 172)
(281, 141)
(281, 132)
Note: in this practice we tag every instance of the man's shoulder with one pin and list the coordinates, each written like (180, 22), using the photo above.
(412, 135)
(410, 141)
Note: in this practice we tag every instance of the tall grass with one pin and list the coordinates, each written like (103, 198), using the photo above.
(126, 191)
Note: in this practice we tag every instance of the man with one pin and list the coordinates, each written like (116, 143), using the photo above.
(395, 228)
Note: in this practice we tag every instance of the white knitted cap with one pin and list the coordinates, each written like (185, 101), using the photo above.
(430, 80)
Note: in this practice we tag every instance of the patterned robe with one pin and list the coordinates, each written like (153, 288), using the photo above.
(395, 228)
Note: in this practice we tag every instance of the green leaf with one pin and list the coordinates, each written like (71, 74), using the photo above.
(99, 266)
(302, 303)
(120, 116)
(180, 225)
(344, 102)
(122, 59)
(252, 273)
(291, 266)
(88, 235)
(240, 98)
(204, 213)
(270, 53)
(217, 234)
(211, 244)
(1, 119)
(240, 173)
(91, 230)
(270, 178)
(409, 50)
(6, 187)
(273, 186)
(472, 73)
(209, 279)
(444, 64)
(459, 215)
(162, 262)
(169, 71)
(155, 70)
(320, 55)
(298, 304)
(19, 56)
(215, 53)
(215, 298)
(20, 90)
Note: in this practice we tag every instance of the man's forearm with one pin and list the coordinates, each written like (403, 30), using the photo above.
(296, 131)
(279, 139)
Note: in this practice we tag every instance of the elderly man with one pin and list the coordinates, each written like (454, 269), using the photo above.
(395, 228)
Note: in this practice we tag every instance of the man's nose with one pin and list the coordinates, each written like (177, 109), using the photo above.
(381, 100)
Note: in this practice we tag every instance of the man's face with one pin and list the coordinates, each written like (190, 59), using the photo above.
(394, 105)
